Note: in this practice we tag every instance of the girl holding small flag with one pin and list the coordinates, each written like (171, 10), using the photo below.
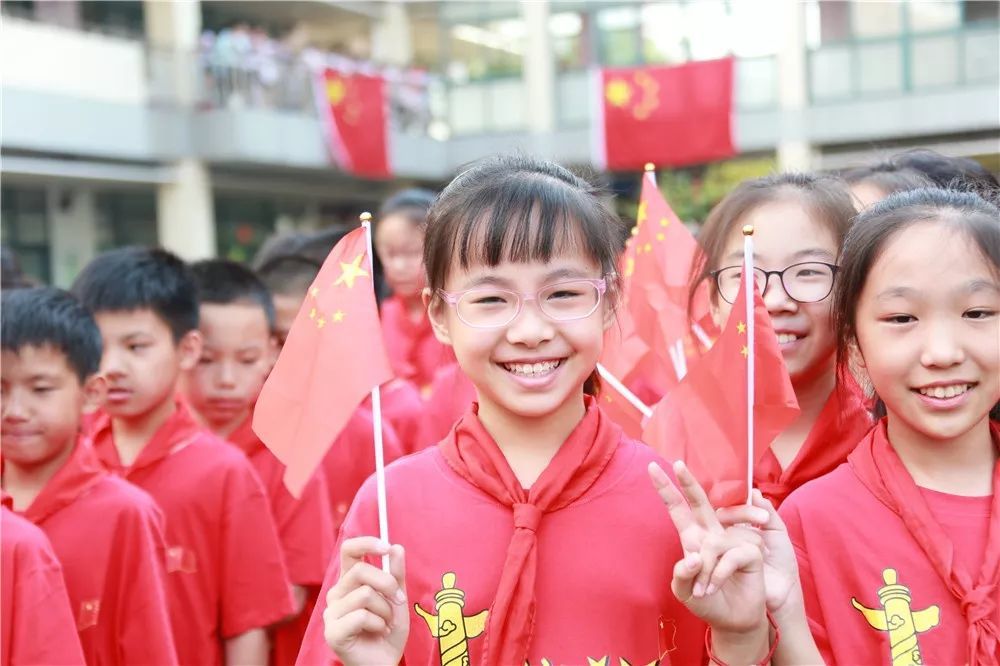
(799, 221)
(898, 549)
(531, 532)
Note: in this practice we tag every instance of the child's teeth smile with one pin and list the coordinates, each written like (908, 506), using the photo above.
(532, 369)
(945, 391)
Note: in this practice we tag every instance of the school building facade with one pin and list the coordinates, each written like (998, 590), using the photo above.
(193, 125)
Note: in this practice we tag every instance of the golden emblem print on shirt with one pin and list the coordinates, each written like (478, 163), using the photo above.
(898, 619)
(450, 626)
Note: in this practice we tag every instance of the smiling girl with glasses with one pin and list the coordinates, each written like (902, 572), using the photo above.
(532, 533)
(799, 222)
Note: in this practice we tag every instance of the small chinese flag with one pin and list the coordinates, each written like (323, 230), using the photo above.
(669, 115)
(622, 353)
(332, 359)
(703, 420)
(657, 270)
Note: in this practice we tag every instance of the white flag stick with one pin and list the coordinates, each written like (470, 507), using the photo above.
(623, 391)
(702, 336)
(748, 283)
(383, 512)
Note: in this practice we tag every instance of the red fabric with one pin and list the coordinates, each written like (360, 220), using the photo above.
(37, 625)
(880, 470)
(452, 395)
(332, 359)
(703, 420)
(351, 460)
(109, 537)
(843, 421)
(657, 267)
(226, 572)
(604, 561)
(846, 539)
(305, 527)
(354, 109)
(414, 352)
(404, 409)
(668, 115)
(623, 350)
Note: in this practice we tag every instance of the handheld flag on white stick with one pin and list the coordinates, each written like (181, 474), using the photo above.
(623, 391)
(332, 360)
(383, 511)
(748, 283)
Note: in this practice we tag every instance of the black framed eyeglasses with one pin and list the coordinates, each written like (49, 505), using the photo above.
(806, 282)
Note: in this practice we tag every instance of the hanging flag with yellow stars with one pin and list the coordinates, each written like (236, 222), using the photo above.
(332, 359)
(703, 420)
(671, 115)
(352, 108)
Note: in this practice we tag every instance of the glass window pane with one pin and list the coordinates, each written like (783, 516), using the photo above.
(663, 34)
(756, 83)
(880, 67)
(982, 56)
(566, 30)
(618, 34)
(573, 99)
(876, 19)
(708, 29)
(934, 61)
(830, 73)
(924, 16)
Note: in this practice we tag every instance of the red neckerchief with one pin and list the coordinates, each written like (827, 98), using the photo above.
(879, 468)
(175, 433)
(473, 454)
(841, 424)
(77, 475)
(245, 438)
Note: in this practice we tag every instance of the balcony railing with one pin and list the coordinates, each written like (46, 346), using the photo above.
(908, 63)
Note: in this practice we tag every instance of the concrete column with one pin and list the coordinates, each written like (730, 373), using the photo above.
(539, 73)
(391, 41)
(173, 30)
(794, 150)
(73, 221)
(185, 218)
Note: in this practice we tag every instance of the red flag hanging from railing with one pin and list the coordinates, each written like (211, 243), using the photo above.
(671, 116)
(353, 108)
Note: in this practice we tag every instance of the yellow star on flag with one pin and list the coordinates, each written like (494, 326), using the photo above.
(618, 92)
(661, 237)
(640, 217)
(664, 222)
(745, 352)
(648, 247)
(629, 266)
(741, 328)
(335, 91)
(320, 323)
(314, 292)
(338, 316)
(312, 313)
(351, 271)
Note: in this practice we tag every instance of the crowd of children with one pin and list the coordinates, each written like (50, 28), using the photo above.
(144, 522)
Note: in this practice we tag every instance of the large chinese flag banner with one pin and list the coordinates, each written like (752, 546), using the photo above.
(670, 116)
(353, 106)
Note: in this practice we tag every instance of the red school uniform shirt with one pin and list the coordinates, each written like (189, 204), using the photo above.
(872, 593)
(414, 352)
(226, 572)
(305, 527)
(403, 407)
(841, 424)
(351, 460)
(604, 564)
(36, 622)
(109, 537)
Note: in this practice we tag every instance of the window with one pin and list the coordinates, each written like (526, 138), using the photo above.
(242, 225)
(876, 19)
(618, 36)
(126, 218)
(567, 31)
(26, 229)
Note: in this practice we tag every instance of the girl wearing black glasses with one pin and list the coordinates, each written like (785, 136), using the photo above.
(799, 221)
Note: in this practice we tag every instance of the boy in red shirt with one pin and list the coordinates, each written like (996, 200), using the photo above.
(36, 623)
(228, 580)
(107, 533)
(237, 323)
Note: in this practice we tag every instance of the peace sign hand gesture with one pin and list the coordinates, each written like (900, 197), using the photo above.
(721, 578)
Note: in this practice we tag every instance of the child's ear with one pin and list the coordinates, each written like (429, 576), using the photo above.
(435, 312)
(189, 349)
(95, 391)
